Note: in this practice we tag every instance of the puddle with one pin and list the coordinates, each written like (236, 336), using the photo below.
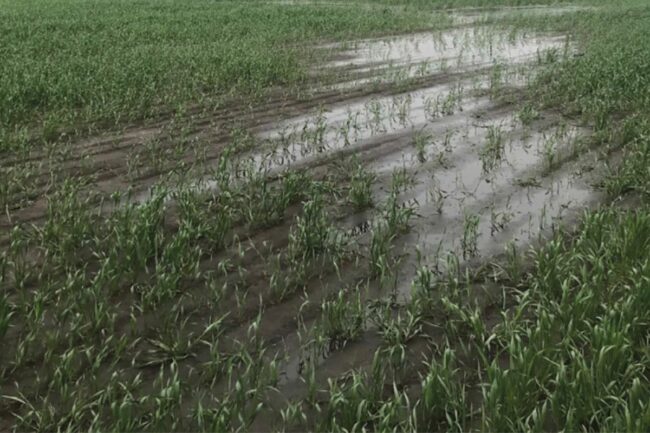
(334, 130)
(482, 180)
(477, 15)
(479, 178)
(447, 51)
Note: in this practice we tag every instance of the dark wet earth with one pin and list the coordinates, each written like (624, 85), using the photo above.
(444, 111)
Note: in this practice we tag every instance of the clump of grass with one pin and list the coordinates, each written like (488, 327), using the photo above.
(469, 241)
(443, 399)
(312, 232)
(381, 245)
(360, 193)
(420, 141)
(342, 318)
(6, 312)
(527, 114)
(493, 151)
(633, 174)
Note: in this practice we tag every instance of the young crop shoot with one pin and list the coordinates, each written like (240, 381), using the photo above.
(361, 183)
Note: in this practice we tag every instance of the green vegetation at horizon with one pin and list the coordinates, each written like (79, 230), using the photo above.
(67, 63)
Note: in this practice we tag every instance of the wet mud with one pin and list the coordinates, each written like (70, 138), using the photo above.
(439, 113)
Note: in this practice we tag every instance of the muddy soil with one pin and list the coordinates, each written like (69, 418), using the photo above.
(441, 112)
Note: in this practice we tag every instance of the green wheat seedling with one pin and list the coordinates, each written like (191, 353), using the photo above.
(527, 115)
(69, 226)
(436, 195)
(374, 117)
(137, 233)
(496, 80)
(361, 183)
(549, 150)
(218, 363)
(203, 216)
(345, 399)
(19, 185)
(432, 108)
(285, 279)
(453, 101)
(513, 263)
(396, 329)
(493, 150)
(312, 232)
(420, 141)
(403, 106)
(380, 250)
(446, 143)
(262, 205)
(342, 318)
(314, 133)
(397, 215)
(443, 403)
(469, 241)
(401, 180)
(293, 416)
(6, 313)
(422, 290)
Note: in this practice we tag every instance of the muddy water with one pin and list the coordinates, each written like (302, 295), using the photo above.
(453, 67)
(477, 15)
(479, 175)
(448, 50)
(493, 57)
(513, 203)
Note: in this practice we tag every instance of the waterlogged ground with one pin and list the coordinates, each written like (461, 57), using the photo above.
(420, 152)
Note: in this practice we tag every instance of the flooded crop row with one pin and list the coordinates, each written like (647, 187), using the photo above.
(264, 255)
